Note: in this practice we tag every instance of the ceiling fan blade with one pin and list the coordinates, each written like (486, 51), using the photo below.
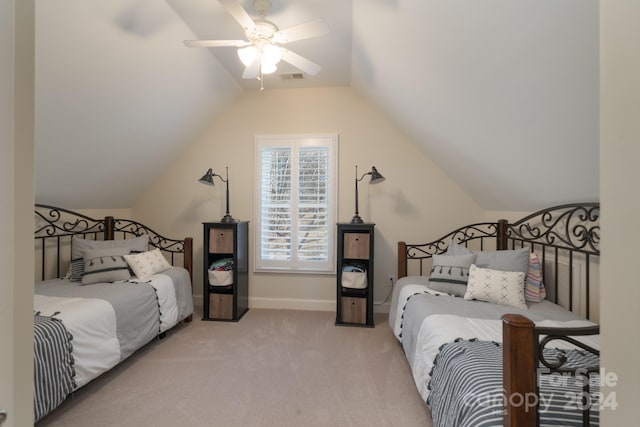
(239, 14)
(216, 43)
(251, 72)
(300, 62)
(315, 28)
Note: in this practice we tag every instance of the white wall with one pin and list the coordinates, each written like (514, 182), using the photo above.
(619, 156)
(7, 143)
(16, 207)
(417, 202)
(508, 215)
(101, 213)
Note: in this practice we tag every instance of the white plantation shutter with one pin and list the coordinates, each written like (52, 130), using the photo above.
(313, 204)
(275, 212)
(296, 203)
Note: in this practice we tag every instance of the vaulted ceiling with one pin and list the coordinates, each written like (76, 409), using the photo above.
(502, 94)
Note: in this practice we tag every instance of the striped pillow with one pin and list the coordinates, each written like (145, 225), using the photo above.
(450, 274)
(79, 245)
(76, 268)
(105, 265)
(534, 290)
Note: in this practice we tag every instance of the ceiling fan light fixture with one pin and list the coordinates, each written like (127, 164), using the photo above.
(247, 55)
(271, 54)
(267, 68)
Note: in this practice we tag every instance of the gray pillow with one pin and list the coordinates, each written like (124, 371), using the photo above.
(507, 260)
(79, 245)
(457, 249)
(450, 273)
(105, 265)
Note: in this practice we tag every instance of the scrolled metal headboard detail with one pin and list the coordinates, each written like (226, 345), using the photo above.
(461, 235)
(572, 226)
(166, 244)
(421, 252)
(53, 221)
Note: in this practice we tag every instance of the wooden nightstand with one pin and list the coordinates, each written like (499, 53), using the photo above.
(226, 294)
(354, 305)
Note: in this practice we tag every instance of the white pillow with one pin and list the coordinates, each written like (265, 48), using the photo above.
(147, 264)
(495, 286)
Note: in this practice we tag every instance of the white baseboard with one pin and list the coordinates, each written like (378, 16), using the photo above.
(297, 304)
(292, 304)
(381, 308)
(306, 304)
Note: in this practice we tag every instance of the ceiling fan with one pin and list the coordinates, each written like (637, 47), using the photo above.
(263, 50)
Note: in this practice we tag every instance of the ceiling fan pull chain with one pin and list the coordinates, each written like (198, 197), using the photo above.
(261, 81)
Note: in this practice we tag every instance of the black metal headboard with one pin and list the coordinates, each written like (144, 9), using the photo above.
(55, 227)
(565, 237)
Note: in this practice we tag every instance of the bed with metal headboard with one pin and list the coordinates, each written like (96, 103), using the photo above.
(103, 289)
(557, 332)
(56, 227)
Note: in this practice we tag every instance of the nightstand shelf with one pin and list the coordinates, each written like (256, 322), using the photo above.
(225, 293)
(354, 302)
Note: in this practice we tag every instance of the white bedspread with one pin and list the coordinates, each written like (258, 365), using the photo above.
(92, 323)
(405, 293)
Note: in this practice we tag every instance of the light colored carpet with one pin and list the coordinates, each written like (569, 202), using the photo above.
(273, 368)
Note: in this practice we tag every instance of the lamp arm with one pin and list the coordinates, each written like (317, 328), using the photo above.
(209, 179)
(363, 175)
(356, 217)
(375, 178)
(227, 181)
(358, 180)
(357, 213)
(219, 176)
(227, 216)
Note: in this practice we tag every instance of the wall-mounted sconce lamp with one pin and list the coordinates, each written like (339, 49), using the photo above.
(208, 180)
(376, 177)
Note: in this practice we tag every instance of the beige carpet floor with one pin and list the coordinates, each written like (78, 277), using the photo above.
(273, 368)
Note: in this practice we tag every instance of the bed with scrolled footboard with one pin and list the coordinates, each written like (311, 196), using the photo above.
(498, 320)
(104, 288)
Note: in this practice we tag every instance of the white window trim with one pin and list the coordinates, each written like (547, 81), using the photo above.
(300, 140)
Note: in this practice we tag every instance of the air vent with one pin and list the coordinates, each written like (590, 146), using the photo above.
(292, 76)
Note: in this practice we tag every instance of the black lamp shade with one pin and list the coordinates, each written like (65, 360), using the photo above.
(376, 177)
(207, 178)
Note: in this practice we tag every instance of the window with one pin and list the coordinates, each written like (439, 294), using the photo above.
(296, 203)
